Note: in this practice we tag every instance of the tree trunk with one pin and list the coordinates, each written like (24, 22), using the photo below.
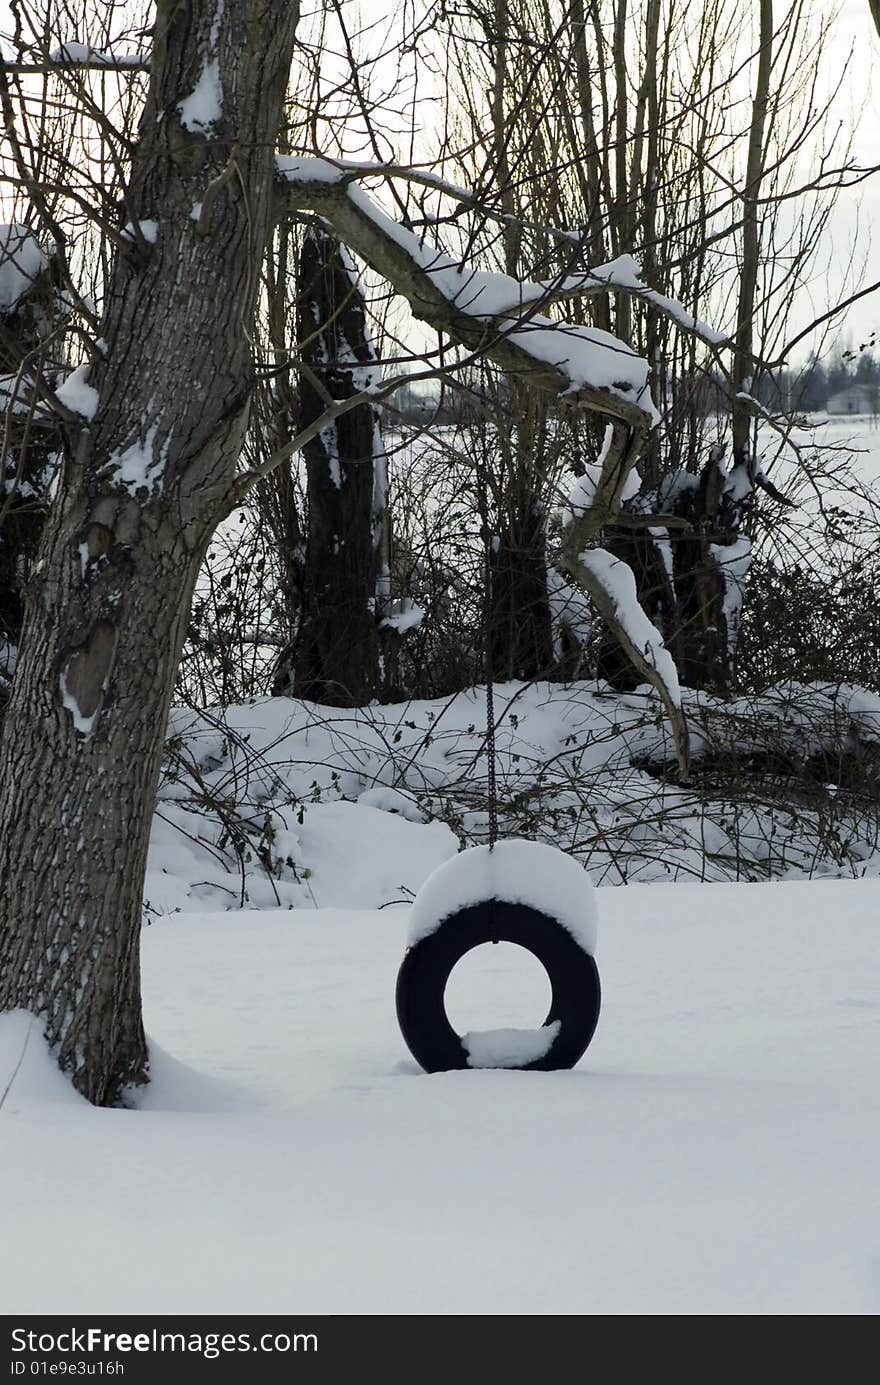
(689, 582)
(743, 366)
(337, 645)
(83, 741)
(28, 431)
(144, 484)
(520, 633)
(702, 639)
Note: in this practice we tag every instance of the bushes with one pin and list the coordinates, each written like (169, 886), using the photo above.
(816, 628)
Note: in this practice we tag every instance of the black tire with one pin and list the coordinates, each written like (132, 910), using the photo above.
(425, 971)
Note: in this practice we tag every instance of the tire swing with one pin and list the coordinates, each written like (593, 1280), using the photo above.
(513, 891)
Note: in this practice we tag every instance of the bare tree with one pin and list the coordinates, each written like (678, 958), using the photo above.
(639, 153)
(334, 654)
(148, 471)
(153, 427)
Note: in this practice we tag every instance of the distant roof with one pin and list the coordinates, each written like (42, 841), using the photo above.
(855, 399)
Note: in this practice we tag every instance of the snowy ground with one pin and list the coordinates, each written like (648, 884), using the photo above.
(334, 808)
(854, 438)
(714, 1152)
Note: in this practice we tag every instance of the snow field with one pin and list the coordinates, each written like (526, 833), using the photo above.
(713, 1153)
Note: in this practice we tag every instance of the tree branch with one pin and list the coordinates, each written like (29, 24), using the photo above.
(581, 365)
(332, 181)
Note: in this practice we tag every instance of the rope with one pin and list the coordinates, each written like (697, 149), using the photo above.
(488, 669)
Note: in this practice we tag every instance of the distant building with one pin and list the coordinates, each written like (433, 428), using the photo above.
(855, 399)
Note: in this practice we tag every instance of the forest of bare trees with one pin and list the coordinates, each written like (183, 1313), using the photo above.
(239, 245)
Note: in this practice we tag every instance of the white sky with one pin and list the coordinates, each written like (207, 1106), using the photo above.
(860, 207)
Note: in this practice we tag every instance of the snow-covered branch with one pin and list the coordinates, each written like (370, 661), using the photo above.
(483, 311)
(352, 169)
(612, 586)
(498, 295)
(497, 315)
(80, 57)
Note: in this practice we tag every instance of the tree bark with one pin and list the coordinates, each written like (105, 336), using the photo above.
(743, 369)
(81, 753)
(687, 579)
(144, 484)
(28, 441)
(337, 645)
(520, 633)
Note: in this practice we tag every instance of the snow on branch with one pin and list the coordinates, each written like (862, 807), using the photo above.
(619, 587)
(488, 312)
(72, 56)
(508, 295)
(612, 586)
(22, 261)
(81, 55)
(497, 316)
(292, 167)
(623, 274)
(611, 583)
(606, 477)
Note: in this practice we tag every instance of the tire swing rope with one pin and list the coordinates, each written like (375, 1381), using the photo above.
(429, 961)
(488, 661)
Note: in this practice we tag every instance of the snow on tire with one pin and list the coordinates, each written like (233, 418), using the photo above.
(426, 967)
